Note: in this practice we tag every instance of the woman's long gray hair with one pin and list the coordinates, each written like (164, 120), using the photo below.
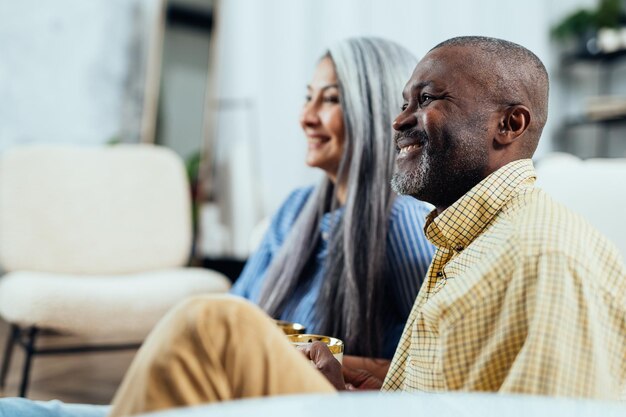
(371, 74)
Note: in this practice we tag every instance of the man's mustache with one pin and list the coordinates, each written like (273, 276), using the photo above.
(411, 135)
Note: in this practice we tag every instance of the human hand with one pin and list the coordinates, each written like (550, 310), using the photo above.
(324, 360)
(360, 379)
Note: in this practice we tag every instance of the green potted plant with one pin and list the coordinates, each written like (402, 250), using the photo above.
(582, 25)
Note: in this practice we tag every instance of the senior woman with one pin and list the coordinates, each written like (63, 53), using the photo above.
(344, 258)
(349, 248)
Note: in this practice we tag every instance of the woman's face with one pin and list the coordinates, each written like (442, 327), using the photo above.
(322, 120)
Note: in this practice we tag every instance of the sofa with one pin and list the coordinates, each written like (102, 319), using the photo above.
(375, 404)
(361, 404)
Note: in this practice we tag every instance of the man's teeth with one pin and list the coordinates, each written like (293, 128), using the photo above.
(407, 149)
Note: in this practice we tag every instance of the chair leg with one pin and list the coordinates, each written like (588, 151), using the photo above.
(8, 353)
(29, 350)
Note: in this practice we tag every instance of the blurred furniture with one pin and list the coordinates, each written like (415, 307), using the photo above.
(593, 188)
(231, 266)
(605, 112)
(94, 242)
(375, 404)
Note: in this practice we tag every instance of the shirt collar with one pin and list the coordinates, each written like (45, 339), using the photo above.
(457, 226)
(330, 219)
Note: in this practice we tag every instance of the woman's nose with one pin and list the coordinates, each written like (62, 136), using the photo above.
(309, 115)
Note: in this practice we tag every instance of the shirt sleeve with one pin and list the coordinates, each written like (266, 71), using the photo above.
(576, 338)
(409, 253)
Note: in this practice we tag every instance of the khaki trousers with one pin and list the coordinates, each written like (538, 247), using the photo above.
(213, 348)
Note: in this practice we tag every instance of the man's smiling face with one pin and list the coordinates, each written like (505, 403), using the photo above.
(443, 132)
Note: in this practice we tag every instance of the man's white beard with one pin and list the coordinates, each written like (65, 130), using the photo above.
(413, 181)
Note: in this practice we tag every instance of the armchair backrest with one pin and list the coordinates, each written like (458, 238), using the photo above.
(93, 210)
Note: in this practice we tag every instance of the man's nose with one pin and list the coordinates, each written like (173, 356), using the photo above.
(404, 121)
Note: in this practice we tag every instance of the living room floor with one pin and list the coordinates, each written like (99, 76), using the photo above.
(81, 378)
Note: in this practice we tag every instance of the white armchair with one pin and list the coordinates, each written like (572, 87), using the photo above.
(94, 242)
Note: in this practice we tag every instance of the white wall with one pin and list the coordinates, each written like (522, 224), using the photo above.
(63, 65)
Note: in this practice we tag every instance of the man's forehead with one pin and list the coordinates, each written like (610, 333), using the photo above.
(442, 65)
(445, 57)
(425, 69)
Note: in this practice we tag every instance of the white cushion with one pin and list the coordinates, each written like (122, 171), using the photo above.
(101, 305)
(376, 404)
(594, 188)
(115, 209)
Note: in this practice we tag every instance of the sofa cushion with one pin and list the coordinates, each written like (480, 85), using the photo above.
(101, 305)
(375, 404)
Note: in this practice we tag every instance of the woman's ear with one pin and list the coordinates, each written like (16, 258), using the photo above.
(514, 122)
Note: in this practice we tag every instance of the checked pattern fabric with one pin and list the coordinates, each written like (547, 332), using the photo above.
(522, 296)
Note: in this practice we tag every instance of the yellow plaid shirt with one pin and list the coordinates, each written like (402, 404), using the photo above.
(522, 296)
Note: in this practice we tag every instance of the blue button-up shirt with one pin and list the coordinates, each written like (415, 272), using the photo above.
(408, 257)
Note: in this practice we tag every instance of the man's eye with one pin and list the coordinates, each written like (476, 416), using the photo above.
(425, 99)
(404, 106)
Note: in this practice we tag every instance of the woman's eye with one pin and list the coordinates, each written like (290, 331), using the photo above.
(331, 99)
(307, 98)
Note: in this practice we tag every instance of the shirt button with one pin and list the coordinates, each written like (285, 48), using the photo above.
(325, 235)
(459, 248)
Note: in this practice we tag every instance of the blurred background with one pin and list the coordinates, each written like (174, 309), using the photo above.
(222, 82)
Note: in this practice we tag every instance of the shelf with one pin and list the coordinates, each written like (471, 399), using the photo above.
(584, 121)
(605, 118)
(573, 58)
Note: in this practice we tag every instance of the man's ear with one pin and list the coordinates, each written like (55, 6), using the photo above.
(513, 123)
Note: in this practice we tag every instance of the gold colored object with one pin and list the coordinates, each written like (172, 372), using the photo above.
(290, 328)
(335, 345)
